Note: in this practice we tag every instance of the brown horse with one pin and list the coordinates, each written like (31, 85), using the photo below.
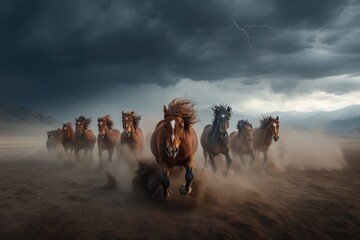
(263, 136)
(174, 142)
(241, 142)
(132, 136)
(108, 137)
(54, 139)
(68, 138)
(84, 137)
(215, 139)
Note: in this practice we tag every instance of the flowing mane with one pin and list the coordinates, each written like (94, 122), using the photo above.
(220, 109)
(135, 117)
(242, 123)
(107, 119)
(85, 121)
(264, 122)
(184, 108)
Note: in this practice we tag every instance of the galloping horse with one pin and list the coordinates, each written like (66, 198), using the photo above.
(132, 136)
(215, 138)
(68, 137)
(263, 136)
(174, 142)
(54, 139)
(84, 137)
(108, 137)
(241, 142)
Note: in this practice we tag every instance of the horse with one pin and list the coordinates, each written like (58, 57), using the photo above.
(84, 137)
(54, 139)
(214, 138)
(241, 142)
(108, 137)
(68, 138)
(263, 135)
(174, 142)
(132, 136)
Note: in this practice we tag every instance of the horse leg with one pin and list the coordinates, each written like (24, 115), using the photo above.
(100, 158)
(111, 151)
(77, 154)
(205, 157)
(165, 181)
(212, 160)
(189, 176)
(228, 161)
(265, 159)
(252, 154)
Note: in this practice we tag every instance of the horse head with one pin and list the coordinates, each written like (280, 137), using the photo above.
(274, 127)
(79, 126)
(222, 116)
(67, 130)
(102, 127)
(174, 130)
(245, 128)
(128, 125)
(51, 136)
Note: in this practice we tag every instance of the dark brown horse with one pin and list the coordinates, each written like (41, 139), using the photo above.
(108, 138)
(241, 142)
(174, 142)
(132, 136)
(68, 138)
(84, 137)
(54, 139)
(263, 135)
(215, 139)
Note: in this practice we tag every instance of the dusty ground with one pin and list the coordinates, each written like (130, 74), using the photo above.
(44, 197)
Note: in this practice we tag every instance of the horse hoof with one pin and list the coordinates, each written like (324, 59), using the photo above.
(183, 191)
(167, 194)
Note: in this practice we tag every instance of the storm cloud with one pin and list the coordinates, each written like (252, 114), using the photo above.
(62, 51)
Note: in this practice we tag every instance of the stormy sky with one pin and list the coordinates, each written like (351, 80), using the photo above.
(101, 56)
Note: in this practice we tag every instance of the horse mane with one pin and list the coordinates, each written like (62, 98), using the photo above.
(184, 108)
(242, 123)
(264, 122)
(220, 109)
(107, 119)
(135, 117)
(85, 121)
(68, 124)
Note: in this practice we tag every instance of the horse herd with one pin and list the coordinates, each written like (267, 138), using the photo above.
(174, 141)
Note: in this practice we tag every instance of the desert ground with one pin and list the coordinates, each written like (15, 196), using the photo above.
(308, 191)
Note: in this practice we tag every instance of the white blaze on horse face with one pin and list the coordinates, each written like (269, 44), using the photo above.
(126, 124)
(275, 127)
(172, 123)
(223, 115)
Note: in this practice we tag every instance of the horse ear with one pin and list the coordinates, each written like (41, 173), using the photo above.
(122, 112)
(228, 109)
(165, 109)
(76, 119)
(132, 112)
(277, 117)
(98, 119)
(63, 124)
(270, 118)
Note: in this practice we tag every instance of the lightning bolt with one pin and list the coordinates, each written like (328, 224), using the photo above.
(243, 29)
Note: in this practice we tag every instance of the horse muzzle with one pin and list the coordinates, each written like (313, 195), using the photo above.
(102, 136)
(172, 152)
(276, 138)
(127, 133)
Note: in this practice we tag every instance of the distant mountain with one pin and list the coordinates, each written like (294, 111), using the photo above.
(20, 120)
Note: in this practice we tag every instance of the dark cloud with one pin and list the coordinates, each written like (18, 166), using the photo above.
(72, 49)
